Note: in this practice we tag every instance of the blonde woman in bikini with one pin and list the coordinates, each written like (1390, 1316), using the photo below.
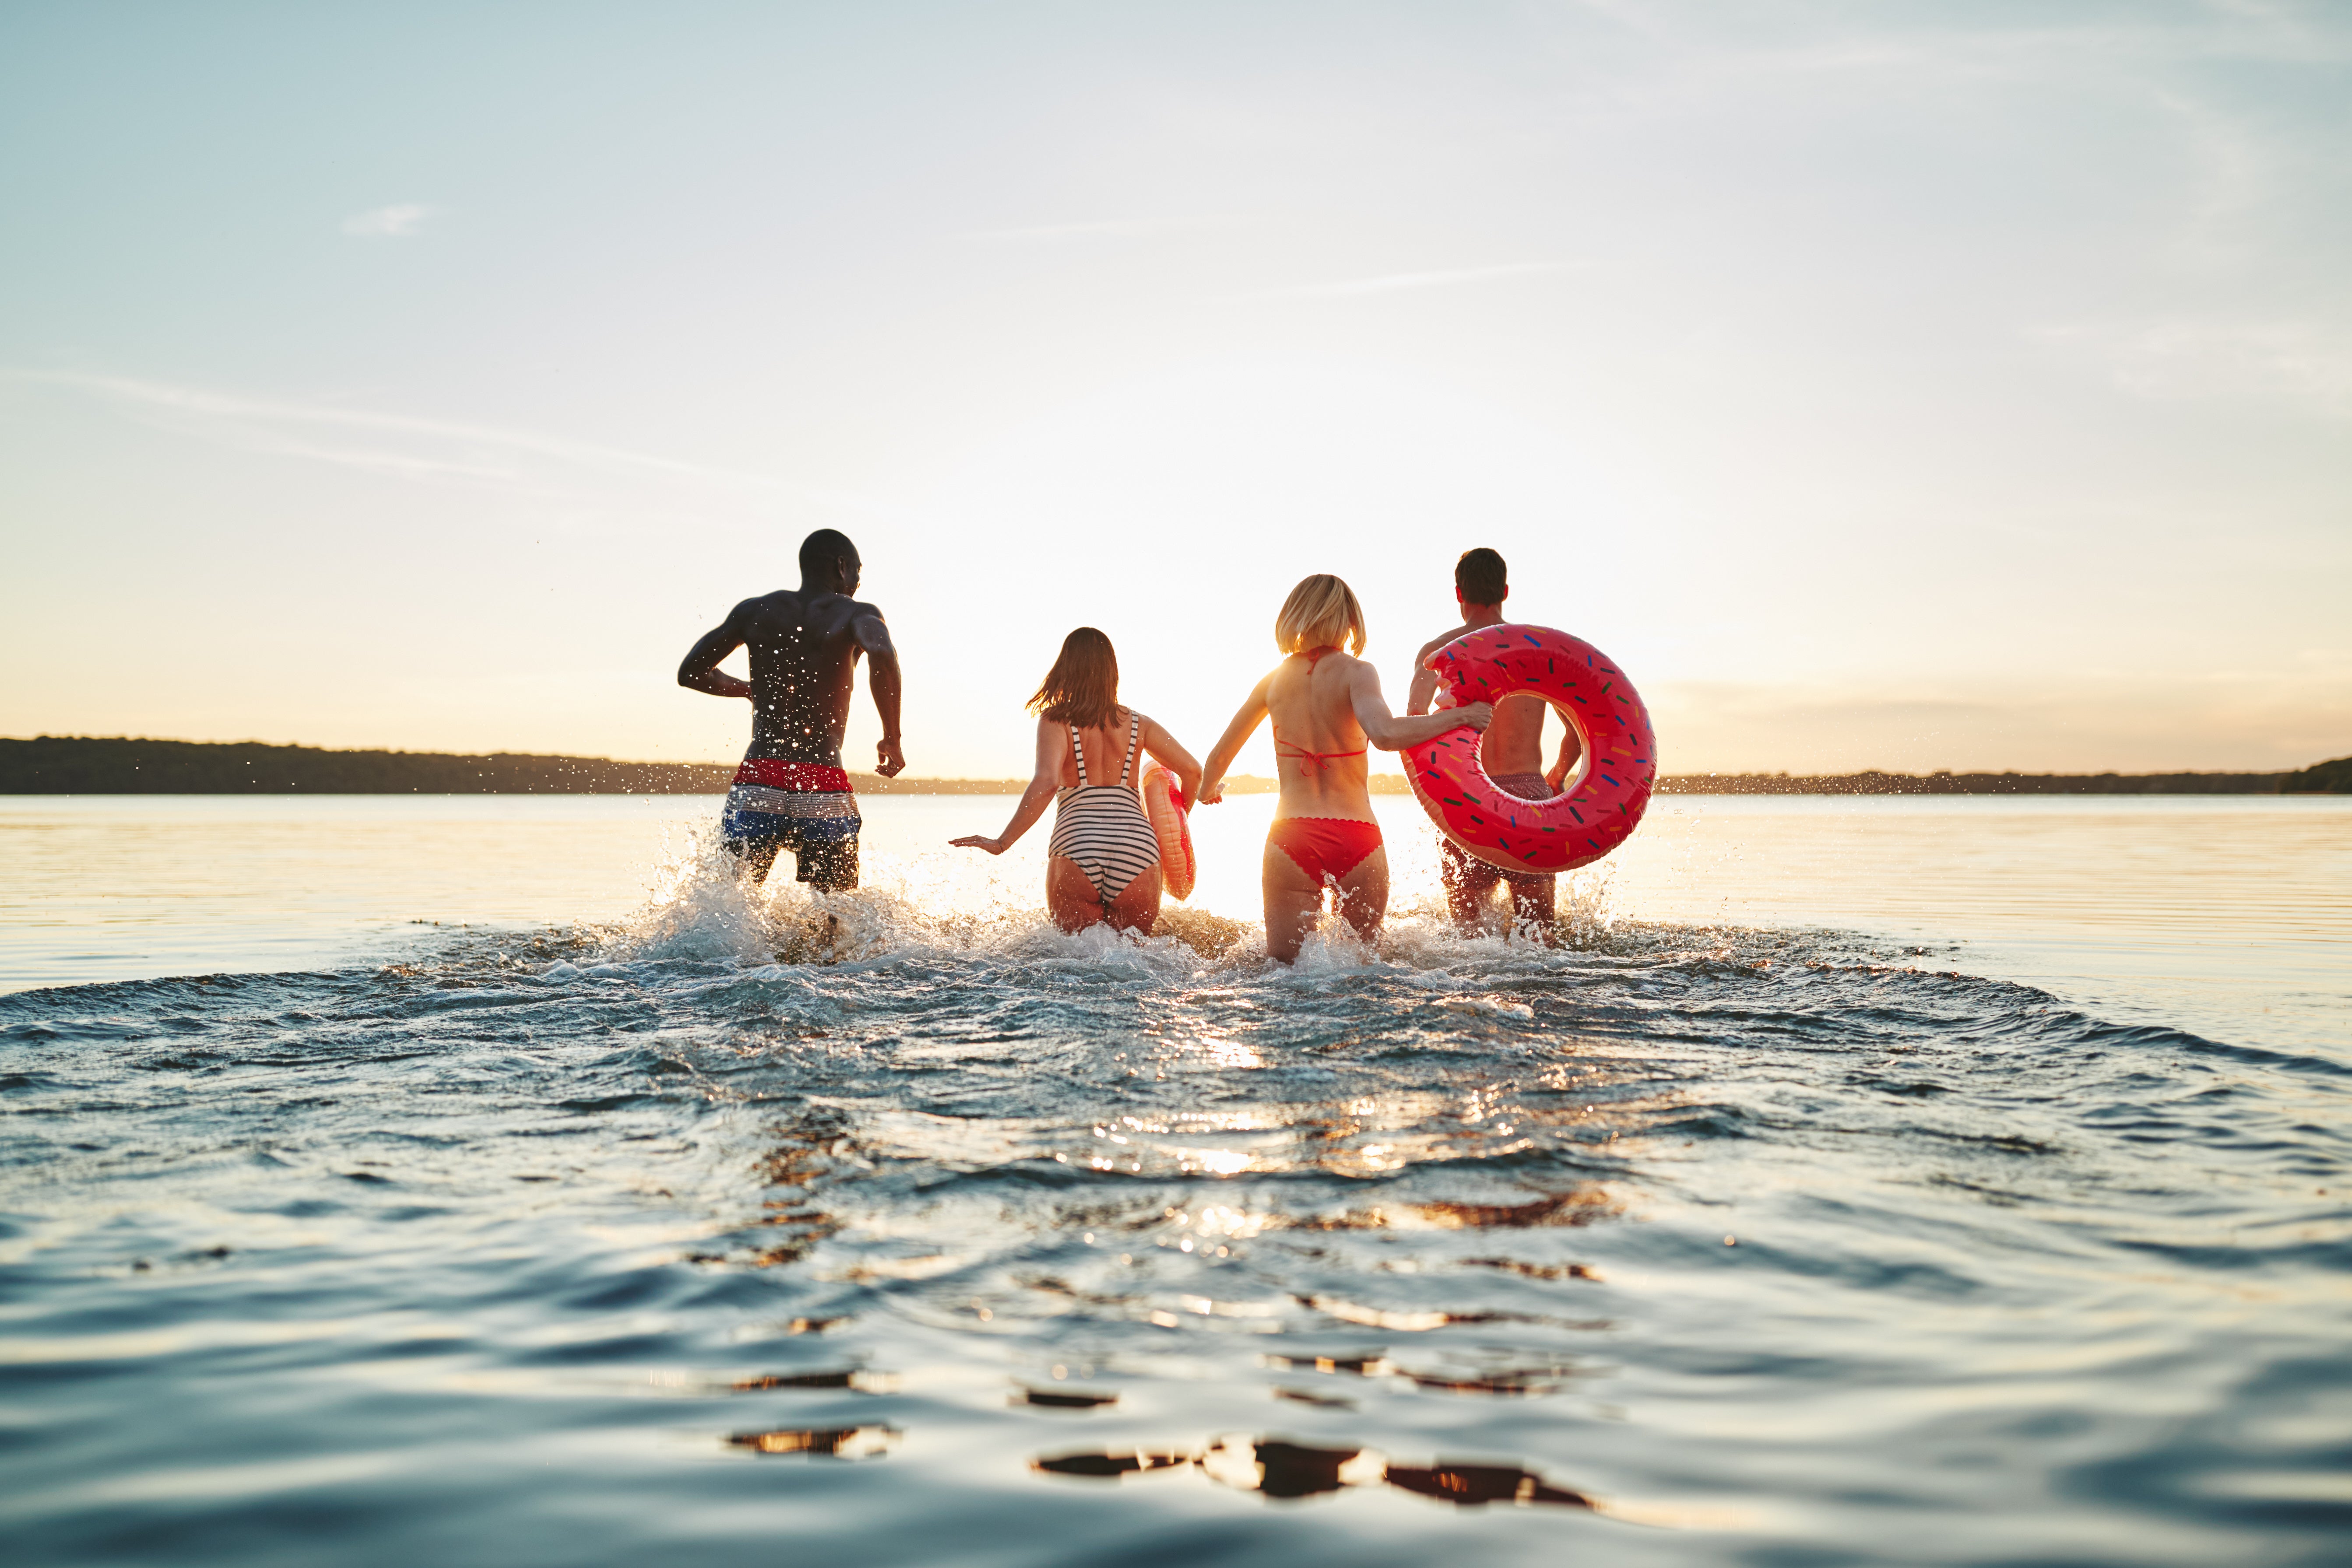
(1103, 864)
(1326, 708)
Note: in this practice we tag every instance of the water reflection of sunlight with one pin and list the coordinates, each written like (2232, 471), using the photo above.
(1279, 1469)
(832, 1443)
(1216, 1220)
(1222, 1050)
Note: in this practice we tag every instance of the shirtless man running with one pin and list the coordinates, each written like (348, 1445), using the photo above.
(791, 792)
(1511, 752)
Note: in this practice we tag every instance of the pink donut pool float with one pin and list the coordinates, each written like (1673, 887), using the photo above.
(1606, 794)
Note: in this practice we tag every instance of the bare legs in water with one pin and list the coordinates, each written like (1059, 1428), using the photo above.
(1294, 900)
(1470, 883)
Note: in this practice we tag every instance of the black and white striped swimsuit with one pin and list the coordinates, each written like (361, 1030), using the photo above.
(1102, 826)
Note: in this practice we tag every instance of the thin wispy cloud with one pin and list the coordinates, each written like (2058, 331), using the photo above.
(409, 446)
(2303, 364)
(398, 221)
(1092, 228)
(1397, 282)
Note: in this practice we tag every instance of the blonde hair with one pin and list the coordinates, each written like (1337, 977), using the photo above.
(1319, 612)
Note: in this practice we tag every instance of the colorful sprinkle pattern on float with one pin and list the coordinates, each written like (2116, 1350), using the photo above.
(1603, 807)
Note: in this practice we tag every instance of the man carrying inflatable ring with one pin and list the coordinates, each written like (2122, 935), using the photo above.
(1473, 786)
(1512, 755)
(1537, 826)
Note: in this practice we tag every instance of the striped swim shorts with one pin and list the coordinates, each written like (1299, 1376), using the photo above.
(804, 808)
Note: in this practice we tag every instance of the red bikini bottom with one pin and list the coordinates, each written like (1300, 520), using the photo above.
(1325, 846)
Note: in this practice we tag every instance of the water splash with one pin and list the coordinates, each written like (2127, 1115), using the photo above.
(700, 908)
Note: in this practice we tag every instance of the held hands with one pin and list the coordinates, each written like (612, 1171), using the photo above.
(1212, 792)
(892, 761)
(976, 841)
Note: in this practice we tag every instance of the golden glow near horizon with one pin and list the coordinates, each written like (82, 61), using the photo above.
(1901, 392)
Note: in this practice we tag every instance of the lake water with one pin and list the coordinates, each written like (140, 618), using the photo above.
(486, 1180)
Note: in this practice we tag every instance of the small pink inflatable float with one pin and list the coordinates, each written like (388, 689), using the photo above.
(1606, 796)
(1163, 803)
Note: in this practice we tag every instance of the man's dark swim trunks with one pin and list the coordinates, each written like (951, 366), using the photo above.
(801, 806)
(1526, 786)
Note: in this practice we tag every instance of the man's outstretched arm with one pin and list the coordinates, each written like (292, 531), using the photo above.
(882, 674)
(700, 671)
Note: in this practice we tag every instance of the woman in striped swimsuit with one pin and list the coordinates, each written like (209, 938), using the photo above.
(1326, 708)
(1103, 863)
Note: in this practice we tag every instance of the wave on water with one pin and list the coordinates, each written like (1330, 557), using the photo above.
(905, 1225)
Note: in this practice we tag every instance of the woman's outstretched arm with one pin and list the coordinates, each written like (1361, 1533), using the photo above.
(1159, 743)
(1229, 746)
(1390, 733)
(1042, 785)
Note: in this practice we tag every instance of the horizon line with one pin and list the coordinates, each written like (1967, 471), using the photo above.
(904, 779)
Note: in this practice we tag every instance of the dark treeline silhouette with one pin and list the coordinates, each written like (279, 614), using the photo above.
(65, 765)
(2320, 778)
(2326, 778)
(58, 764)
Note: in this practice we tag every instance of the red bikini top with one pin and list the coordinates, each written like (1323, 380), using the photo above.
(1312, 762)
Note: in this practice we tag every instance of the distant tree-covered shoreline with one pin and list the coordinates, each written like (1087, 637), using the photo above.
(72, 764)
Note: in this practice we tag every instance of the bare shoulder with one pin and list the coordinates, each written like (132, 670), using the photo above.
(763, 608)
(1433, 644)
(863, 624)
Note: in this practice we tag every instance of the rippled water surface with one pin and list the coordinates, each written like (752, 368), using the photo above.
(1890, 1181)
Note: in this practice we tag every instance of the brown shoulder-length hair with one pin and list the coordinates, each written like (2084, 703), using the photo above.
(1082, 688)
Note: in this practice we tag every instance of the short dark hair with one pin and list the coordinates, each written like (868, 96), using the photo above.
(822, 547)
(1481, 577)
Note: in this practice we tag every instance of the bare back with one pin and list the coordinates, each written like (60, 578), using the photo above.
(1514, 741)
(1106, 746)
(804, 645)
(804, 650)
(1320, 745)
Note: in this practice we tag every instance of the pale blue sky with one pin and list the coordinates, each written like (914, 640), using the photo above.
(1962, 386)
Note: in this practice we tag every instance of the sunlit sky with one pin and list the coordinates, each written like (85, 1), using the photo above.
(1908, 386)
